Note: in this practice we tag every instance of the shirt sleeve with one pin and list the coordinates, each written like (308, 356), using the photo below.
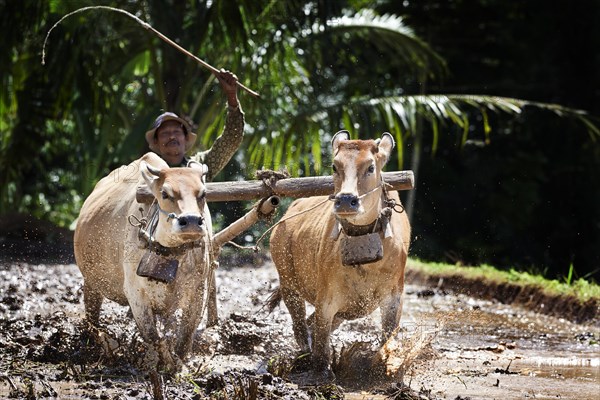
(225, 145)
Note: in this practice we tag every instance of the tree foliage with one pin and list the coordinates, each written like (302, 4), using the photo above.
(319, 66)
(528, 198)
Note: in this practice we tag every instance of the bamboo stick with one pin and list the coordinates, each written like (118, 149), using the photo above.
(242, 224)
(147, 26)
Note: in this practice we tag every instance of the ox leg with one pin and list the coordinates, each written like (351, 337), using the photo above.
(391, 311)
(321, 354)
(146, 323)
(185, 337)
(212, 313)
(92, 300)
(337, 321)
(185, 341)
(297, 308)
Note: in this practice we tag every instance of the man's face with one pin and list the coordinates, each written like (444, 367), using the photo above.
(170, 138)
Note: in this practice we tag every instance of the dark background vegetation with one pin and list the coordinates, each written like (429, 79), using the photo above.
(525, 194)
(531, 198)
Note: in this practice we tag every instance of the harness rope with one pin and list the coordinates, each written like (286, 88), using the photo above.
(148, 235)
(170, 216)
(385, 213)
(390, 203)
(256, 247)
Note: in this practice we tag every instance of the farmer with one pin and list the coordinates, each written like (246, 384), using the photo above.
(171, 136)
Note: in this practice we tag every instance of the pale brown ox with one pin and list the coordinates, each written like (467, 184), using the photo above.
(107, 251)
(307, 252)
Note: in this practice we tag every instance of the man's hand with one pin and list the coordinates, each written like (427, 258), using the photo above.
(228, 82)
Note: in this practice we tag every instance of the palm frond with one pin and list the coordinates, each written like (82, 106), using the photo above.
(458, 110)
(390, 34)
(368, 117)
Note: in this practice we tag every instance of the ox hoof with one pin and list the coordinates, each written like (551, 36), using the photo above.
(317, 377)
(302, 363)
(163, 363)
(171, 366)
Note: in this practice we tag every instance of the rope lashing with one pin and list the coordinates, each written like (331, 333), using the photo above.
(139, 222)
(391, 203)
(256, 247)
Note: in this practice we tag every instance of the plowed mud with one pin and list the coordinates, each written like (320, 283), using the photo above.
(449, 346)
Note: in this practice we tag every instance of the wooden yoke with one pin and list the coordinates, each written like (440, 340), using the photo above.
(289, 187)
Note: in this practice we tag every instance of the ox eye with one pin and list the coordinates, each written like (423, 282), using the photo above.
(202, 196)
(371, 169)
(334, 168)
(164, 194)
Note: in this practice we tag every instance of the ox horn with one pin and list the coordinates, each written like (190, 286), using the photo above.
(152, 170)
(389, 136)
(203, 168)
(338, 137)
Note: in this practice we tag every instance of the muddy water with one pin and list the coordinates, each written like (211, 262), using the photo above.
(489, 350)
(465, 348)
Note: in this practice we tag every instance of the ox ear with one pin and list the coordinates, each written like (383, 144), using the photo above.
(339, 137)
(203, 168)
(149, 173)
(385, 145)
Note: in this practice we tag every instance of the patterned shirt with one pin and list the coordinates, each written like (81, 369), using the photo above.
(225, 145)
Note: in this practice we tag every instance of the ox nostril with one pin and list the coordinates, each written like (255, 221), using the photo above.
(190, 221)
(346, 202)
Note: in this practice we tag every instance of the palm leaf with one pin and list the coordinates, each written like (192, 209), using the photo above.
(389, 33)
(401, 113)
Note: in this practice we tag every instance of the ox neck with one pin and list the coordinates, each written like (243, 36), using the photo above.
(154, 245)
(376, 224)
(360, 230)
(176, 252)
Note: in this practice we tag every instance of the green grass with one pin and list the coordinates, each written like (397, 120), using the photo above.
(579, 288)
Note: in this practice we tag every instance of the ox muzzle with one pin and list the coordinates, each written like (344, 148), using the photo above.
(190, 223)
(346, 203)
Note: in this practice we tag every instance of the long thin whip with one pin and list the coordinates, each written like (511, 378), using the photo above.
(150, 28)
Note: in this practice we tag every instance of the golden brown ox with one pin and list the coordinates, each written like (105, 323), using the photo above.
(307, 250)
(108, 252)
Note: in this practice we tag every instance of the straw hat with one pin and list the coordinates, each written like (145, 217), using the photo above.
(190, 136)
